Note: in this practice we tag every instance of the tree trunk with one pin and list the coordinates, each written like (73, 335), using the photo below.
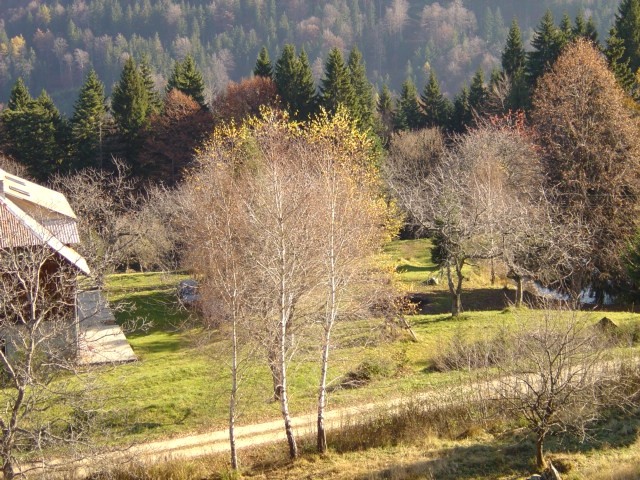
(519, 291)
(540, 462)
(288, 428)
(8, 471)
(456, 300)
(233, 400)
(322, 396)
(275, 376)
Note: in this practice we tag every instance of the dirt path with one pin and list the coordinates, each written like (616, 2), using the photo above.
(217, 441)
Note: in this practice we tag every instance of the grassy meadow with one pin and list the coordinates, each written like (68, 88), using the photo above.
(180, 386)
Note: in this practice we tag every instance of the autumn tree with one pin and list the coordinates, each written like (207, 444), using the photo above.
(169, 145)
(591, 156)
(244, 99)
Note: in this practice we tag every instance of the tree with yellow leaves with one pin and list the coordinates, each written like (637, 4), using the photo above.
(284, 218)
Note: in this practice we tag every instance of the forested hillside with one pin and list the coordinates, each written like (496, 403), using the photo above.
(52, 44)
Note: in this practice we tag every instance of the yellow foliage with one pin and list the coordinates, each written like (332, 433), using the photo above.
(17, 45)
(4, 50)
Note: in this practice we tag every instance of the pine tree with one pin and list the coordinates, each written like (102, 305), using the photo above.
(408, 115)
(263, 66)
(19, 97)
(547, 43)
(462, 113)
(294, 80)
(363, 105)
(579, 29)
(39, 120)
(513, 55)
(565, 30)
(436, 107)
(155, 102)
(336, 88)
(285, 76)
(384, 107)
(130, 101)
(478, 93)
(88, 123)
(627, 24)
(591, 32)
(305, 88)
(617, 63)
(187, 78)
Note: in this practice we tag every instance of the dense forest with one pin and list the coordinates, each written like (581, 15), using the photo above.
(52, 45)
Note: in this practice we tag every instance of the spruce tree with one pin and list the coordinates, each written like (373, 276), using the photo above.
(35, 135)
(408, 114)
(546, 43)
(384, 106)
(513, 55)
(305, 88)
(285, 76)
(187, 78)
(19, 97)
(88, 123)
(263, 66)
(436, 107)
(363, 105)
(462, 113)
(627, 24)
(579, 29)
(618, 64)
(478, 93)
(565, 30)
(155, 102)
(591, 32)
(130, 101)
(336, 88)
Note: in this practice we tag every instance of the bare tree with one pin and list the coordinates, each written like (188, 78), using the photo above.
(39, 333)
(104, 203)
(555, 377)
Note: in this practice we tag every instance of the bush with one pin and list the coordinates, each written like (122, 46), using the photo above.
(462, 354)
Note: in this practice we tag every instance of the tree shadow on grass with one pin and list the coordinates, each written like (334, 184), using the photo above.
(463, 462)
(405, 268)
(438, 302)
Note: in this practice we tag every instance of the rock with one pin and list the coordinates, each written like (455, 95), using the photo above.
(433, 281)
(535, 477)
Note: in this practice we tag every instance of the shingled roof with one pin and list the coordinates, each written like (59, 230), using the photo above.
(34, 215)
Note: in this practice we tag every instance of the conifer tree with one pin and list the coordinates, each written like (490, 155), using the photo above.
(294, 81)
(336, 88)
(580, 26)
(130, 101)
(305, 88)
(565, 30)
(187, 78)
(478, 93)
(513, 55)
(19, 97)
(263, 66)
(35, 134)
(363, 105)
(462, 113)
(88, 123)
(546, 43)
(591, 33)
(384, 107)
(408, 114)
(436, 107)
(155, 102)
(627, 24)
(618, 64)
